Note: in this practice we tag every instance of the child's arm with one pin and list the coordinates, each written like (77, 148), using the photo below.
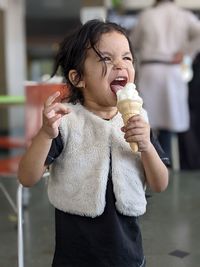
(137, 130)
(31, 167)
(155, 169)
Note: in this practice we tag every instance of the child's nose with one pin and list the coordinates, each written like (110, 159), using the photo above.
(119, 64)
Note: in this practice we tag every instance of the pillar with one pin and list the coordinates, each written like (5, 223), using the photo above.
(12, 58)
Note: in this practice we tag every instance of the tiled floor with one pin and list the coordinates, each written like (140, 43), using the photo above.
(170, 227)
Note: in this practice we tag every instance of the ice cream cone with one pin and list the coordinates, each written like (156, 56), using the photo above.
(129, 103)
(129, 108)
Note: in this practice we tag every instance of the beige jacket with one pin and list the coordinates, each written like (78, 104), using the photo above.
(78, 177)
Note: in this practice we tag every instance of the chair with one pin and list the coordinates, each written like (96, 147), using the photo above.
(36, 95)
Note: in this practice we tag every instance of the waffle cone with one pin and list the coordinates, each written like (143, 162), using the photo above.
(129, 108)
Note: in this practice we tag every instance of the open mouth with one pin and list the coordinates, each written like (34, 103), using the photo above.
(118, 83)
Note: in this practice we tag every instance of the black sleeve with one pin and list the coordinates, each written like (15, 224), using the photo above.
(55, 150)
(57, 147)
(160, 151)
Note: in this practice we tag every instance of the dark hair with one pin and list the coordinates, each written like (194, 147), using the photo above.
(73, 51)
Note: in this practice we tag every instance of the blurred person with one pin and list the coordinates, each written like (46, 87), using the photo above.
(189, 141)
(97, 184)
(162, 37)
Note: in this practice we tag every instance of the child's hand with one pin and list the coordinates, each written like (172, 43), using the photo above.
(137, 130)
(52, 114)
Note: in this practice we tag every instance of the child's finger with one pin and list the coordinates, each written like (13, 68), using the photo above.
(133, 125)
(56, 108)
(51, 99)
(60, 108)
(54, 120)
(134, 118)
(123, 129)
(132, 134)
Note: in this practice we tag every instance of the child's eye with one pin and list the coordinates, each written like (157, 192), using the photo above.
(128, 58)
(106, 59)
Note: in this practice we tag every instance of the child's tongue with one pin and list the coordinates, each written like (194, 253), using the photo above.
(116, 87)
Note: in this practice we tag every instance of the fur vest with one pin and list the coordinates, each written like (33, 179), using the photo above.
(78, 177)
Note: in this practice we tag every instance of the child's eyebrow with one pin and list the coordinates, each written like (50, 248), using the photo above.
(105, 53)
(128, 53)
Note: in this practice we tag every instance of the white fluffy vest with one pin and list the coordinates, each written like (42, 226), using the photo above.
(78, 177)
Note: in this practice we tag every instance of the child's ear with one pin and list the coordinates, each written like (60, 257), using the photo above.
(73, 77)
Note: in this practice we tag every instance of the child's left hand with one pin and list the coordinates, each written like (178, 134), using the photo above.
(137, 130)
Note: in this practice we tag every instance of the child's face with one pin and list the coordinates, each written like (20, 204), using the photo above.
(115, 51)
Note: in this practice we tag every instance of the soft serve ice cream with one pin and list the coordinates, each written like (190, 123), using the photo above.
(128, 92)
(129, 103)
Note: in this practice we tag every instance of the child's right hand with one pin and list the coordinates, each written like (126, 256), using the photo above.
(52, 114)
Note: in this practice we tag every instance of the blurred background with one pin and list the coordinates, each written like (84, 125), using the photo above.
(30, 31)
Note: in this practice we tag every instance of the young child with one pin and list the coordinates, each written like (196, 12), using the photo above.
(96, 184)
